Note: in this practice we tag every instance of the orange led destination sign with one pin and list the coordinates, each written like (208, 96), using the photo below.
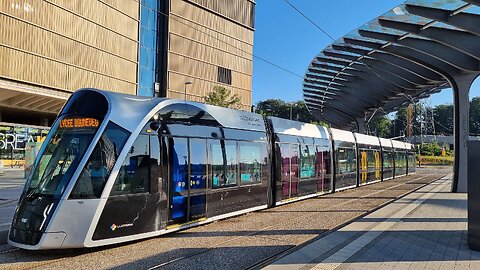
(79, 122)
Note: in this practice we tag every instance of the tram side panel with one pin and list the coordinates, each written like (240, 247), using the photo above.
(400, 155)
(369, 151)
(387, 163)
(388, 160)
(302, 159)
(345, 158)
(137, 202)
(412, 160)
(239, 172)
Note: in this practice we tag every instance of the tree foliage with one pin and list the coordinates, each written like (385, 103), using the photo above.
(223, 97)
(474, 116)
(381, 126)
(433, 149)
(443, 115)
(279, 108)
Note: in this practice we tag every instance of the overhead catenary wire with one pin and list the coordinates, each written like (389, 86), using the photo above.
(359, 59)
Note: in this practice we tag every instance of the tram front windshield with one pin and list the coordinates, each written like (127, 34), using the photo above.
(63, 152)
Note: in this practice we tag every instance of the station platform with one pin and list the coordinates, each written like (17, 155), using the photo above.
(426, 229)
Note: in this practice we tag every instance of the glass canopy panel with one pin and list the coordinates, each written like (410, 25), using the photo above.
(348, 53)
(316, 62)
(376, 27)
(473, 10)
(353, 47)
(402, 15)
(355, 35)
(447, 26)
(322, 75)
(441, 4)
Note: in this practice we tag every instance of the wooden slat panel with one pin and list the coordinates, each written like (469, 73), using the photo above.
(68, 24)
(48, 45)
(238, 10)
(210, 54)
(210, 20)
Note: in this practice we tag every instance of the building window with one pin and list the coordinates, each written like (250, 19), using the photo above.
(224, 75)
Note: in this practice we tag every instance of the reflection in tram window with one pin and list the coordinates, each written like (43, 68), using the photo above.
(54, 169)
(198, 163)
(250, 162)
(346, 160)
(400, 163)
(323, 167)
(285, 156)
(307, 166)
(179, 186)
(59, 161)
(133, 176)
(224, 163)
(94, 175)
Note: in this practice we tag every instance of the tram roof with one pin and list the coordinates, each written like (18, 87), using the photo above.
(405, 55)
(130, 111)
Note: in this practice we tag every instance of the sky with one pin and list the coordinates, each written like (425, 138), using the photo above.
(285, 38)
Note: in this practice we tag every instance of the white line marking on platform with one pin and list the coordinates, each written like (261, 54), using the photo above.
(349, 250)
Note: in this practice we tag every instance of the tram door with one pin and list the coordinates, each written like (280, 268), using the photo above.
(290, 158)
(187, 166)
(378, 165)
(364, 167)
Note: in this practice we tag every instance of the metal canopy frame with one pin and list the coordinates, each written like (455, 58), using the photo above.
(407, 54)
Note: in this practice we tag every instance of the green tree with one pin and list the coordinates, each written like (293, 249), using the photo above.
(279, 108)
(382, 126)
(431, 149)
(273, 107)
(443, 115)
(221, 96)
(474, 116)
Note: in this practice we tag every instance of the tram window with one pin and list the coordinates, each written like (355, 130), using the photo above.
(224, 163)
(307, 162)
(198, 167)
(387, 159)
(133, 177)
(371, 161)
(92, 180)
(400, 161)
(250, 162)
(346, 160)
(285, 155)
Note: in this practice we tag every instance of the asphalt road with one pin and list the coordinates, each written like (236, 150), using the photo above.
(237, 243)
(11, 185)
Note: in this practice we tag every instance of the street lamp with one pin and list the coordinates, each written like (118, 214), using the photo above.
(185, 89)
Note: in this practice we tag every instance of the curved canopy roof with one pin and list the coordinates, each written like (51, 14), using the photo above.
(406, 54)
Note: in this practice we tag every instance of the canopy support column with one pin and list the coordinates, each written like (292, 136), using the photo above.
(361, 125)
(461, 87)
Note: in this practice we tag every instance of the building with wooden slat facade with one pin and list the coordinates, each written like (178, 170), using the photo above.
(166, 48)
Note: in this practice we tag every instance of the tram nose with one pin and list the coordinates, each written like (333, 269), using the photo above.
(31, 219)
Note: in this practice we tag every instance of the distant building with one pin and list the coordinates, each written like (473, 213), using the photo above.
(439, 139)
(48, 49)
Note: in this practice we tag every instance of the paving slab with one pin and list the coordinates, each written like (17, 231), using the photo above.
(426, 229)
